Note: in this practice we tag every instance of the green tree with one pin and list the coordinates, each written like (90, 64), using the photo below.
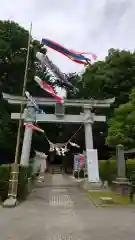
(13, 41)
(122, 125)
(113, 77)
(13, 50)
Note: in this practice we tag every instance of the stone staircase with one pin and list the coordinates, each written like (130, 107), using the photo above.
(56, 169)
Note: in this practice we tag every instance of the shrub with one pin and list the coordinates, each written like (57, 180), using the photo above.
(4, 180)
(130, 167)
(108, 169)
(24, 174)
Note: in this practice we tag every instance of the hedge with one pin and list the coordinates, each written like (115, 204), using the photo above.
(25, 173)
(107, 172)
(108, 169)
(4, 180)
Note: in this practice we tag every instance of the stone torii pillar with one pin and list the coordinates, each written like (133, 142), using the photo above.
(91, 154)
(29, 117)
(88, 128)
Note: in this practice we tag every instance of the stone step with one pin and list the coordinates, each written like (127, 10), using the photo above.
(56, 169)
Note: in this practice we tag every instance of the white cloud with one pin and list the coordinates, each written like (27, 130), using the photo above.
(81, 25)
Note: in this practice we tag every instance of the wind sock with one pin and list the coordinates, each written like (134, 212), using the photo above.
(48, 88)
(94, 56)
(49, 64)
(73, 55)
(61, 77)
(33, 127)
(29, 97)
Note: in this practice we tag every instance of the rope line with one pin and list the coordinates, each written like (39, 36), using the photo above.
(75, 133)
(72, 136)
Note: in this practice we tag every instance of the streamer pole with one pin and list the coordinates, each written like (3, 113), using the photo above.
(13, 182)
(23, 95)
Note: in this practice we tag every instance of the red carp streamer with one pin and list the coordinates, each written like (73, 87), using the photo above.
(48, 88)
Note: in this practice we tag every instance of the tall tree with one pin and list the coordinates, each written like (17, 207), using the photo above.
(13, 50)
(122, 125)
(113, 77)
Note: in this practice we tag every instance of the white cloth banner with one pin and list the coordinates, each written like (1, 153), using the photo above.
(92, 164)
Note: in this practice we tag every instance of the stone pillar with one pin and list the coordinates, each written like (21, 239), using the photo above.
(88, 121)
(121, 184)
(29, 117)
(121, 166)
(91, 154)
(26, 147)
(88, 135)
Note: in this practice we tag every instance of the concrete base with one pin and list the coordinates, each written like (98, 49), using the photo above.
(90, 185)
(122, 180)
(106, 199)
(121, 185)
(10, 202)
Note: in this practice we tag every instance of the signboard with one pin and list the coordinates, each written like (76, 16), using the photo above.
(92, 165)
(76, 162)
(81, 161)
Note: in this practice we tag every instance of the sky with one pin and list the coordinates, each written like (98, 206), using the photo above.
(88, 25)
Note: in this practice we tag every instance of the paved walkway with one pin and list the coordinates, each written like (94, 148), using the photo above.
(57, 210)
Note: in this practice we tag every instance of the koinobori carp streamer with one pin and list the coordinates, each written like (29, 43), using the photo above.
(61, 77)
(48, 88)
(71, 54)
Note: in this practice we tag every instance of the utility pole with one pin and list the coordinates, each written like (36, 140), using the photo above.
(13, 184)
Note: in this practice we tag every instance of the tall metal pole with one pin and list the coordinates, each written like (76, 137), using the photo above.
(23, 94)
(13, 186)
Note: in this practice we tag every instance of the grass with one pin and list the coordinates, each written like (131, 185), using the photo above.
(116, 198)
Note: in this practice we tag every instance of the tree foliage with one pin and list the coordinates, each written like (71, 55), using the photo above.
(122, 125)
(13, 50)
(113, 77)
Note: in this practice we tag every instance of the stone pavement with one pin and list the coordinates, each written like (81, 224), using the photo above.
(58, 210)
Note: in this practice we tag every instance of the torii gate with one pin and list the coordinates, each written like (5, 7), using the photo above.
(86, 117)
